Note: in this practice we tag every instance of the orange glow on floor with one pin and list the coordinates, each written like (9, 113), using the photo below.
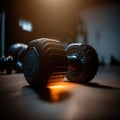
(60, 90)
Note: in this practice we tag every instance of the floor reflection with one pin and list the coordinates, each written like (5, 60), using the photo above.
(53, 92)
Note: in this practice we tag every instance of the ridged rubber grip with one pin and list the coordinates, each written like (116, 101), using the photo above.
(43, 58)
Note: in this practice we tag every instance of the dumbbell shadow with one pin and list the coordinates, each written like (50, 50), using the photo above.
(54, 92)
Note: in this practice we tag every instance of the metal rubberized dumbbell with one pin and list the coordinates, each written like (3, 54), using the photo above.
(45, 57)
(17, 50)
(14, 60)
(6, 63)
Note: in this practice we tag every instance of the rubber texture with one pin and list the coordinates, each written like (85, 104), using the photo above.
(42, 58)
(88, 68)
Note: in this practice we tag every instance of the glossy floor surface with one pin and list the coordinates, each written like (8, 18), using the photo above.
(98, 100)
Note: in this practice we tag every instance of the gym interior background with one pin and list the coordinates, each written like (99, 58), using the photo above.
(95, 22)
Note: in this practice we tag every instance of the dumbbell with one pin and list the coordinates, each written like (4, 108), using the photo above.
(45, 57)
(6, 63)
(17, 50)
(14, 60)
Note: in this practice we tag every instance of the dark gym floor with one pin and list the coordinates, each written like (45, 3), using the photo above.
(98, 100)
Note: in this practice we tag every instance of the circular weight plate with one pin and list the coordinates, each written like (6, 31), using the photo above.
(30, 64)
(87, 67)
(14, 50)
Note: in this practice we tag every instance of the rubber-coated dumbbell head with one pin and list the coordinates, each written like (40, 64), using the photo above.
(83, 62)
(9, 64)
(43, 58)
(17, 50)
(6, 63)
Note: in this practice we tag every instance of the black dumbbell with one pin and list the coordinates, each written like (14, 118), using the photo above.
(6, 63)
(45, 57)
(17, 50)
(15, 58)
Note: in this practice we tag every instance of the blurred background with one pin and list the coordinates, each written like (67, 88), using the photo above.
(95, 22)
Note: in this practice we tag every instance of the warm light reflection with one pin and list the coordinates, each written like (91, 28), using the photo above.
(54, 1)
(56, 87)
(60, 90)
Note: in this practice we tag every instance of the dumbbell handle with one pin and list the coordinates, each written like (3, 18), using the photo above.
(73, 61)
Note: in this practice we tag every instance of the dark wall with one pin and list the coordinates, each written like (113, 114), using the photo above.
(48, 19)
